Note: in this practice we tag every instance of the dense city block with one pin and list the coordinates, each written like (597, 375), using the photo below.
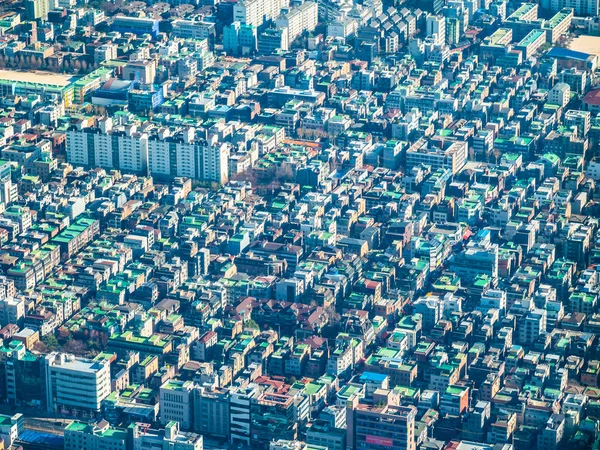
(299, 225)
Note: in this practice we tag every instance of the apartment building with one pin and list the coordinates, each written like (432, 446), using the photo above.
(256, 12)
(163, 153)
(298, 20)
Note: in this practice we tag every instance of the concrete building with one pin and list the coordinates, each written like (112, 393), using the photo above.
(560, 94)
(176, 402)
(75, 385)
(12, 310)
(193, 29)
(579, 7)
(138, 436)
(453, 156)
(211, 412)
(380, 425)
(299, 20)
(37, 9)
(241, 400)
(10, 428)
(436, 26)
(240, 39)
(256, 12)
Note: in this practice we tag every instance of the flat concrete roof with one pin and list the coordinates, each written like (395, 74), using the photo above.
(39, 77)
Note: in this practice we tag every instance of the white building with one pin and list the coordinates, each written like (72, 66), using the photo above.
(255, 12)
(493, 298)
(580, 7)
(10, 428)
(105, 52)
(298, 20)
(163, 153)
(184, 156)
(108, 147)
(176, 402)
(76, 384)
(12, 310)
(193, 29)
(436, 27)
(454, 157)
(240, 403)
(559, 94)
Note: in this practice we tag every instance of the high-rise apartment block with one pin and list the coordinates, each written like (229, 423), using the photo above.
(162, 153)
(298, 20)
(256, 12)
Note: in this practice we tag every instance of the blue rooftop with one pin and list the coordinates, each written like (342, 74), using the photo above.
(372, 377)
(559, 52)
(46, 439)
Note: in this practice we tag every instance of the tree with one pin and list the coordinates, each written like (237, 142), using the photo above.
(251, 324)
(39, 346)
(50, 342)
(76, 347)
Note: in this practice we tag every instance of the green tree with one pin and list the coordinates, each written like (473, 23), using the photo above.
(251, 324)
(51, 342)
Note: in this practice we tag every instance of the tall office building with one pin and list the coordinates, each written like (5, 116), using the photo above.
(75, 385)
(176, 403)
(240, 405)
(436, 25)
(211, 412)
(380, 425)
(37, 9)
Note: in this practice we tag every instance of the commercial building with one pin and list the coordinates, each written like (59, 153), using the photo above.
(136, 25)
(75, 385)
(48, 86)
(436, 27)
(193, 29)
(240, 39)
(452, 156)
(380, 425)
(139, 436)
(211, 412)
(176, 402)
(240, 406)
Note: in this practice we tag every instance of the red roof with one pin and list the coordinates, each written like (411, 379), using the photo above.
(592, 97)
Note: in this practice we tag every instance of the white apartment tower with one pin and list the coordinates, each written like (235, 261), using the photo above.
(298, 20)
(255, 12)
(163, 152)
